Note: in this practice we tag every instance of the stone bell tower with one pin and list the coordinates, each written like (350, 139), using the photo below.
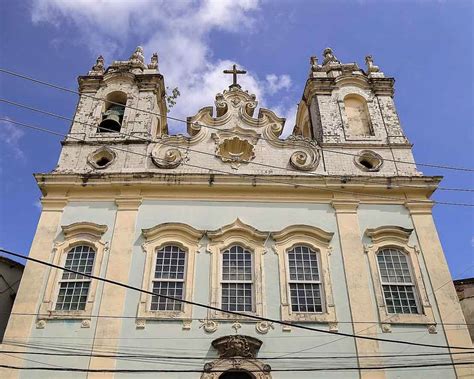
(122, 106)
(351, 114)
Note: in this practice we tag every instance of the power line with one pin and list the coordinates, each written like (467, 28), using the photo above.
(384, 321)
(12, 73)
(298, 369)
(160, 142)
(150, 356)
(252, 177)
(240, 314)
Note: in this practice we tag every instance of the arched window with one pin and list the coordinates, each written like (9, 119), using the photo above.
(304, 280)
(397, 281)
(357, 114)
(169, 278)
(237, 280)
(112, 116)
(74, 288)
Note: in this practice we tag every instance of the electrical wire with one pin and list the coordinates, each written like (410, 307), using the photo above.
(160, 142)
(240, 314)
(25, 77)
(252, 177)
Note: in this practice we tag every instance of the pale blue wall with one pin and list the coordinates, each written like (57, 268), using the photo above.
(168, 338)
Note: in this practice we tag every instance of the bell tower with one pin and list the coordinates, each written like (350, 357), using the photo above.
(351, 114)
(120, 106)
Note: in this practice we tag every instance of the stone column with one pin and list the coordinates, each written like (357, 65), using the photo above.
(30, 292)
(113, 297)
(358, 282)
(442, 284)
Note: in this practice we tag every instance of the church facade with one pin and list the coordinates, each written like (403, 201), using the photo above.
(330, 228)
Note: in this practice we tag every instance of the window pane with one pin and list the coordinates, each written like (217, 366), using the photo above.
(172, 289)
(237, 264)
(393, 265)
(170, 263)
(72, 296)
(303, 264)
(237, 297)
(79, 258)
(305, 297)
(400, 299)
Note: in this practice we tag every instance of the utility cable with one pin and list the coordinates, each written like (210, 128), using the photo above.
(44, 83)
(240, 314)
(186, 148)
(252, 177)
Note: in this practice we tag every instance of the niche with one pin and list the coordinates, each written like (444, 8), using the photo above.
(112, 116)
(368, 161)
(358, 118)
(101, 158)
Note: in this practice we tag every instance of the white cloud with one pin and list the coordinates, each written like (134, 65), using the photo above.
(276, 83)
(10, 136)
(179, 31)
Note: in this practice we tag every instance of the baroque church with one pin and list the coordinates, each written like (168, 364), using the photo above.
(254, 256)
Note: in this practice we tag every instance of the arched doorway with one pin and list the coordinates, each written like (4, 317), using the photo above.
(236, 375)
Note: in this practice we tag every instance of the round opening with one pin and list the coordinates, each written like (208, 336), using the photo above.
(366, 164)
(101, 162)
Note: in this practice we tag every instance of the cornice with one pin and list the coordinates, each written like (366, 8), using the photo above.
(237, 228)
(390, 232)
(292, 231)
(172, 230)
(417, 207)
(345, 206)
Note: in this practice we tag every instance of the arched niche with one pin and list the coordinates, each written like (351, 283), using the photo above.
(112, 112)
(357, 116)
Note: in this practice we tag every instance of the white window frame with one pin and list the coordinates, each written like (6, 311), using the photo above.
(237, 233)
(168, 280)
(317, 240)
(411, 284)
(251, 281)
(186, 238)
(296, 281)
(81, 233)
(397, 237)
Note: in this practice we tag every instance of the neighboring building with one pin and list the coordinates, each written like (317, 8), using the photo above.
(465, 291)
(331, 228)
(10, 276)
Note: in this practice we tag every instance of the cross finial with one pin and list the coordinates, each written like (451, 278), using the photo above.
(234, 73)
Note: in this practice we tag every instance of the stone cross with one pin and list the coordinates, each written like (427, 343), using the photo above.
(234, 73)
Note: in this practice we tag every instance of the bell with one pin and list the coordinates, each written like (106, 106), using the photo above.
(112, 119)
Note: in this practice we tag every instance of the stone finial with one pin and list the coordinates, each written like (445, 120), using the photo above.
(369, 61)
(153, 62)
(98, 68)
(329, 57)
(137, 56)
(314, 63)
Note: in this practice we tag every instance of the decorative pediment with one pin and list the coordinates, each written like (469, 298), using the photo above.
(389, 233)
(84, 228)
(235, 137)
(237, 228)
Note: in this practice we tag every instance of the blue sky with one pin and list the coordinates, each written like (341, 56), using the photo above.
(427, 46)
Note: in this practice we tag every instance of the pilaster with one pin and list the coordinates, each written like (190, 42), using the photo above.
(113, 297)
(23, 318)
(357, 281)
(441, 282)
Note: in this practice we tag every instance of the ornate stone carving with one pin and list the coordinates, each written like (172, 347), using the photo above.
(40, 324)
(432, 329)
(386, 328)
(98, 68)
(140, 323)
(236, 326)
(209, 326)
(237, 346)
(137, 56)
(369, 61)
(236, 151)
(329, 57)
(86, 324)
(167, 157)
(153, 65)
(263, 327)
